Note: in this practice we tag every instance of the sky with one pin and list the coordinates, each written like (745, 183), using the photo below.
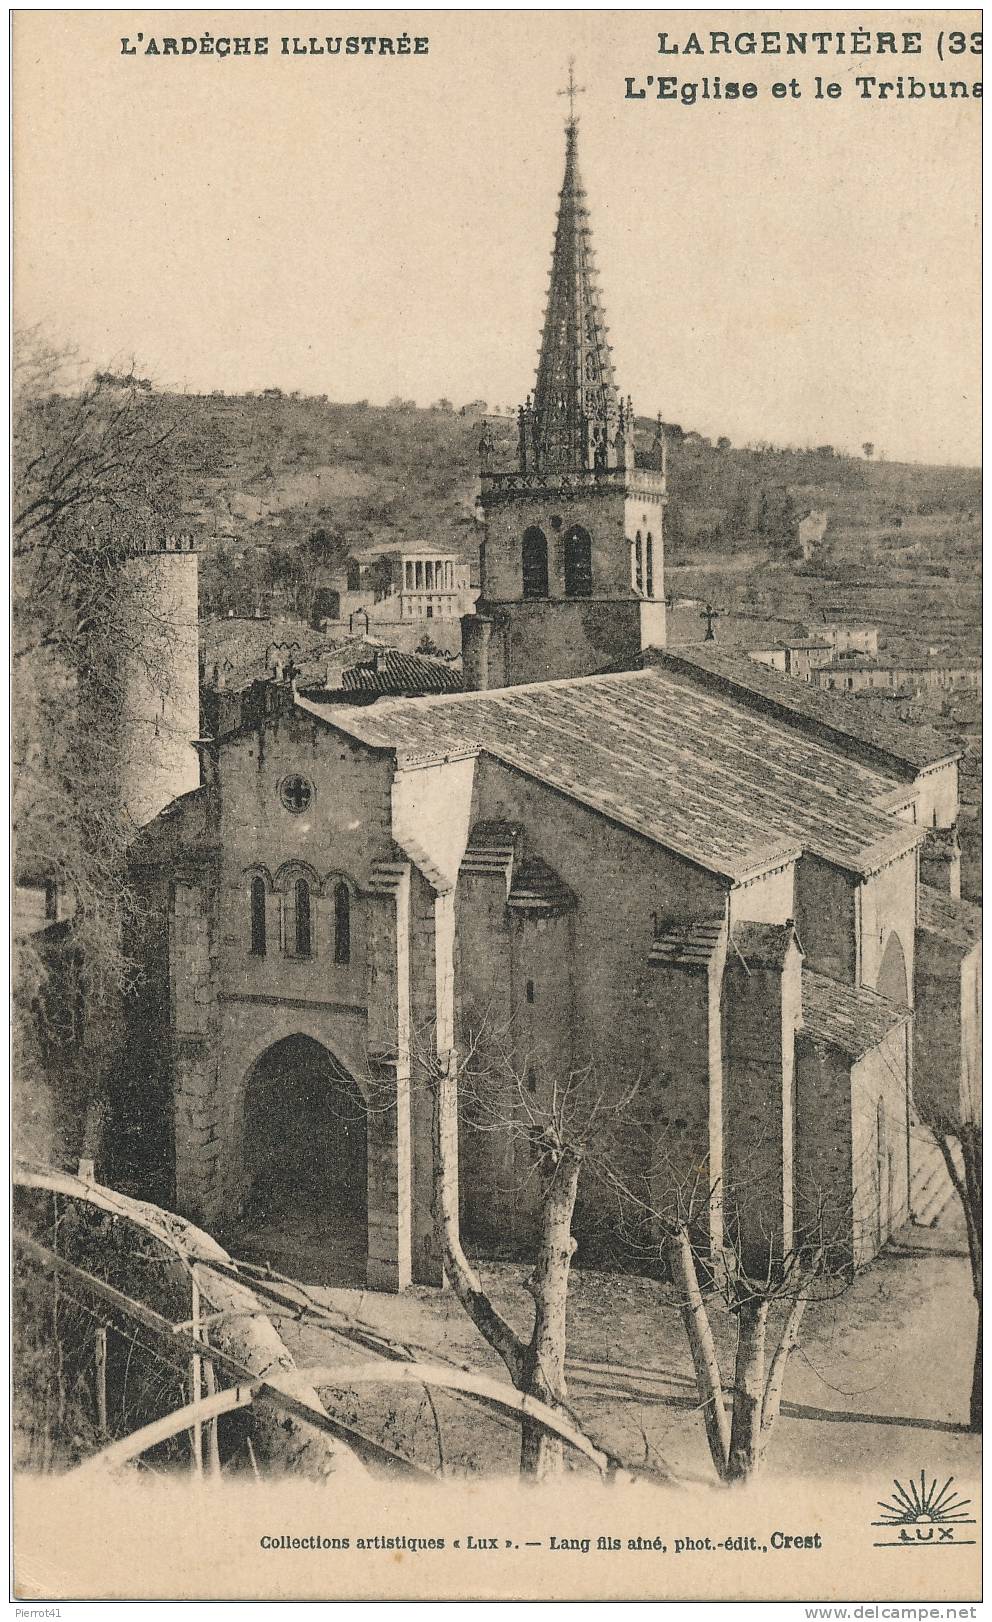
(801, 271)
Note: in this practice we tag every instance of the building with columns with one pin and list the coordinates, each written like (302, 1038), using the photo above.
(430, 585)
(680, 867)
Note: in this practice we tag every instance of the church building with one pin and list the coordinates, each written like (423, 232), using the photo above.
(682, 869)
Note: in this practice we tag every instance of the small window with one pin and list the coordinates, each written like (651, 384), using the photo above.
(304, 935)
(649, 566)
(342, 924)
(258, 917)
(638, 563)
(296, 792)
(530, 991)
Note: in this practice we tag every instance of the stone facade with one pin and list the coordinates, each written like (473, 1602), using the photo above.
(484, 899)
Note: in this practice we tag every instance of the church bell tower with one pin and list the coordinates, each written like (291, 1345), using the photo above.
(572, 563)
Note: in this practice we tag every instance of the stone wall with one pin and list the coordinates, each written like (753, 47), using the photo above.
(825, 918)
(852, 1146)
(823, 1150)
(887, 911)
(880, 1143)
(162, 685)
(508, 644)
(762, 1011)
(948, 1037)
(432, 811)
(686, 1089)
(937, 796)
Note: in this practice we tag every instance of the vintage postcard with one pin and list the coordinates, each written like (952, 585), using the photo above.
(497, 746)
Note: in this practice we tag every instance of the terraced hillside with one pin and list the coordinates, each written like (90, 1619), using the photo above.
(280, 485)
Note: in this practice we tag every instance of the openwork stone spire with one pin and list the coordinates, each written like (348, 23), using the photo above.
(577, 421)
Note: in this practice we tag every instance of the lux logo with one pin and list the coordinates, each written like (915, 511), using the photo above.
(923, 1515)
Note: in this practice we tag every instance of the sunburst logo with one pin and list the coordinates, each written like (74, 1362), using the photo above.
(925, 1514)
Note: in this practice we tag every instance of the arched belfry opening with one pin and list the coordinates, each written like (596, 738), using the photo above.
(534, 562)
(306, 1162)
(578, 562)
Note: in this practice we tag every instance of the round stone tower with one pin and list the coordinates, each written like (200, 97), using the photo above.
(160, 694)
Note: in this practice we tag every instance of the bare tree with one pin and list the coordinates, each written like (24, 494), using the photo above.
(491, 1085)
(95, 468)
(957, 1128)
(764, 1293)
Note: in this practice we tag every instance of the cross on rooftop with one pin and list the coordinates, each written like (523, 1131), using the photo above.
(571, 91)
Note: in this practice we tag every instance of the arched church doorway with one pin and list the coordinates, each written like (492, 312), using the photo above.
(306, 1163)
(893, 981)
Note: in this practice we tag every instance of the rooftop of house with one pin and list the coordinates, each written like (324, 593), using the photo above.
(927, 661)
(830, 717)
(730, 791)
(387, 671)
(240, 650)
(851, 1018)
(956, 922)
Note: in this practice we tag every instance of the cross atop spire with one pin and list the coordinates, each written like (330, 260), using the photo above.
(571, 91)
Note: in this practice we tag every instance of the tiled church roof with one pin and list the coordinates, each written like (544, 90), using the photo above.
(851, 1018)
(729, 790)
(832, 717)
(537, 888)
(686, 944)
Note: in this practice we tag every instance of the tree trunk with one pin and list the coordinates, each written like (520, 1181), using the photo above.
(975, 1415)
(699, 1333)
(749, 1381)
(772, 1400)
(969, 1192)
(461, 1275)
(543, 1372)
(537, 1369)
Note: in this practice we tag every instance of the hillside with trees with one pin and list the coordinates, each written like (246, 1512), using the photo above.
(279, 486)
